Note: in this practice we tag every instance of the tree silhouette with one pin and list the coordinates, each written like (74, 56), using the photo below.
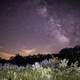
(18, 60)
(73, 54)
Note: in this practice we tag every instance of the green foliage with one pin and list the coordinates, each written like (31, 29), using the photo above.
(40, 74)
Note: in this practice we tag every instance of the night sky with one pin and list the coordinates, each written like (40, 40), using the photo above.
(39, 24)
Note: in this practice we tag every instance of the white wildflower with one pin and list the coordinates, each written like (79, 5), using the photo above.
(63, 63)
(36, 66)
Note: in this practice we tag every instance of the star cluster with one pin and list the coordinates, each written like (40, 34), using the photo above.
(41, 24)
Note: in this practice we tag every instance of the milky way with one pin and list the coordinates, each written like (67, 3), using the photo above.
(41, 24)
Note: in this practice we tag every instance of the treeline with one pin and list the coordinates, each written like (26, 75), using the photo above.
(72, 54)
(22, 61)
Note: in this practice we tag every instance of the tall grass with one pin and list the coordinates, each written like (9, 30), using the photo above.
(37, 72)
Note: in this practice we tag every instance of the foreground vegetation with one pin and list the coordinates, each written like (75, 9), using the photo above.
(41, 74)
(38, 72)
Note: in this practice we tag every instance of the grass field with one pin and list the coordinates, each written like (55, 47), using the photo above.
(40, 73)
(37, 72)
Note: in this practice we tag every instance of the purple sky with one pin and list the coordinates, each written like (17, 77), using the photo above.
(40, 24)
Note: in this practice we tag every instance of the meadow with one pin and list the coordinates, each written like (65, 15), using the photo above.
(40, 71)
